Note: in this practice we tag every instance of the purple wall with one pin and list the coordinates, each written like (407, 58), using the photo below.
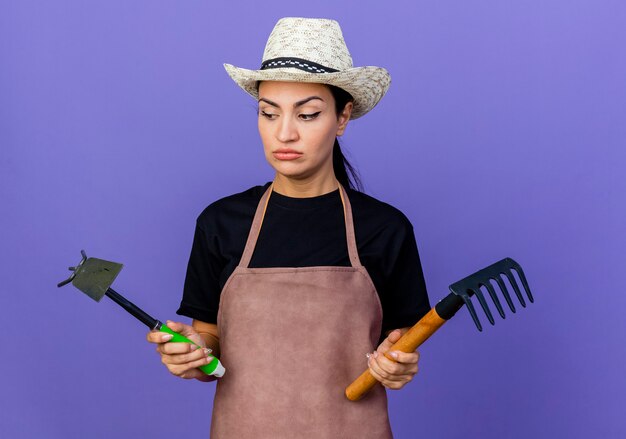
(503, 134)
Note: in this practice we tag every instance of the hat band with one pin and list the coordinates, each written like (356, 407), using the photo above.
(298, 63)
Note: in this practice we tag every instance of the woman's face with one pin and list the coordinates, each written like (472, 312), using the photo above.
(298, 125)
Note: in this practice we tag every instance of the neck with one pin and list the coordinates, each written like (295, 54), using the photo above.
(305, 188)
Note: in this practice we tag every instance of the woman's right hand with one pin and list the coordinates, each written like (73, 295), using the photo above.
(182, 359)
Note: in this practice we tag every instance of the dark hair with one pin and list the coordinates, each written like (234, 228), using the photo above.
(344, 171)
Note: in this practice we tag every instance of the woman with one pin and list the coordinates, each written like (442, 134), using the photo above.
(292, 283)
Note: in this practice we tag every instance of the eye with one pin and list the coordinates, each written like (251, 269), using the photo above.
(270, 116)
(310, 116)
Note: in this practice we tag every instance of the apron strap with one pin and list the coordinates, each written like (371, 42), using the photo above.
(350, 235)
(253, 236)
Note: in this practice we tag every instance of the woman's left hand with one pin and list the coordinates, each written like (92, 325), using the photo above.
(393, 375)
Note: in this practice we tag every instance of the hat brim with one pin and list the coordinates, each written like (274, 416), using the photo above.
(367, 84)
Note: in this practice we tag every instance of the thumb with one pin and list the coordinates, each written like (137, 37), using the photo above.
(179, 327)
(186, 331)
(393, 337)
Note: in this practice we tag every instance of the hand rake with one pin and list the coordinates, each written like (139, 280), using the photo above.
(94, 277)
(461, 292)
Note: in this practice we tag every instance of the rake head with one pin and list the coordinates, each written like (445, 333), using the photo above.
(470, 286)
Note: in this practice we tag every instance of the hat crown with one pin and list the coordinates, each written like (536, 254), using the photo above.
(319, 40)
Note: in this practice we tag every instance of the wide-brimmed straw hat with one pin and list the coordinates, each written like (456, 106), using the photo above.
(313, 50)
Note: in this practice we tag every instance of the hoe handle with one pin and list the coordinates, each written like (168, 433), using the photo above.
(213, 368)
(410, 341)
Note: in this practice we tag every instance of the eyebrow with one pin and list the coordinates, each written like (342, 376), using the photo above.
(296, 105)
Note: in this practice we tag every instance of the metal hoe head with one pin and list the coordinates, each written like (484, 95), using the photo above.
(470, 286)
(93, 276)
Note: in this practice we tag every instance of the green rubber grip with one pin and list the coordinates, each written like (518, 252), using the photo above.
(178, 338)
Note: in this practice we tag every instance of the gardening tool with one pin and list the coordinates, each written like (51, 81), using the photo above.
(94, 277)
(461, 292)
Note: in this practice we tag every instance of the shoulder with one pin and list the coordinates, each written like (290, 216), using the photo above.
(379, 214)
(238, 206)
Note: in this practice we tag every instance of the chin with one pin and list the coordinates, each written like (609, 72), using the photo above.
(290, 170)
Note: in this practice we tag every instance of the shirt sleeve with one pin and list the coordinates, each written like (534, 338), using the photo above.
(201, 293)
(405, 299)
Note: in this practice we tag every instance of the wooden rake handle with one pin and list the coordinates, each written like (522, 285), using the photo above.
(410, 341)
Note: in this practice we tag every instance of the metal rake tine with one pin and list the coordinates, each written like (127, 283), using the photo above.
(522, 278)
(513, 282)
(505, 292)
(495, 299)
(483, 303)
(472, 311)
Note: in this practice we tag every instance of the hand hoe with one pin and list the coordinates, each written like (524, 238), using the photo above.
(94, 277)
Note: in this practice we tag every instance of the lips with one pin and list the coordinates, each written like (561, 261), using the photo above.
(286, 154)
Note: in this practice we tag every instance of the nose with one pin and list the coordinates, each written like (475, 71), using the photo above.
(287, 130)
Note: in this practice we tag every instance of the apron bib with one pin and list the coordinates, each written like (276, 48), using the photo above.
(291, 340)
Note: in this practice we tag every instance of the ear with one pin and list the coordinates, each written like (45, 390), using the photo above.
(344, 118)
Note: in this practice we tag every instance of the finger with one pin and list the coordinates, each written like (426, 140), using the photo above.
(158, 337)
(186, 331)
(386, 369)
(391, 381)
(185, 358)
(192, 373)
(393, 367)
(176, 348)
(385, 345)
(394, 382)
(198, 374)
(396, 385)
(181, 328)
(404, 357)
(393, 337)
(201, 376)
(179, 370)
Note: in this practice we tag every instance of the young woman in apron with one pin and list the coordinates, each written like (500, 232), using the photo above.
(276, 285)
